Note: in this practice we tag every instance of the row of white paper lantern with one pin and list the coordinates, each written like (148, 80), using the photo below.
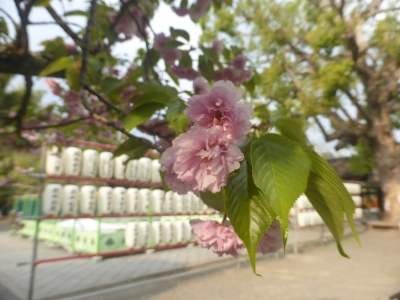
(138, 234)
(310, 218)
(303, 203)
(118, 200)
(73, 161)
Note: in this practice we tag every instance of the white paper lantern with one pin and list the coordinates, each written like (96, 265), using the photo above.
(144, 201)
(312, 217)
(105, 200)
(54, 162)
(88, 199)
(358, 214)
(143, 233)
(106, 165)
(357, 200)
(52, 199)
(119, 168)
(187, 231)
(131, 170)
(118, 200)
(167, 203)
(353, 188)
(72, 161)
(156, 233)
(70, 196)
(132, 200)
(156, 198)
(197, 204)
(177, 203)
(177, 231)
(166, 234)
(145, 169)
(301, 219)
(131, 235)
(90, 163)
(187, 203)
(155, 171)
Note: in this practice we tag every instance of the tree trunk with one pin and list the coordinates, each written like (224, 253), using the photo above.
(386, 154)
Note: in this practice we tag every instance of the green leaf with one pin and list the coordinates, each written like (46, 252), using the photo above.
(184, 3)
(206, 68)
(250, 86)
(215, 201)
(186, 60)
(291, 128)
(141, 114)
(227, 54)
(3, 25)
(72, 75)
(321, 168)
(133, 147)
(154, 57)
(175, 117)
(172, 45)
(76, 13)
(280, 171)
(58, 65)
(42, 2)
(179, 32)
(325, 201)
(174, 79)
(110, 84)
(154, 97)
(247, 208)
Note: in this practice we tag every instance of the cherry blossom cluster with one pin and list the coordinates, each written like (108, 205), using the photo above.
(201, 158)
(222, 239)
(134, 21)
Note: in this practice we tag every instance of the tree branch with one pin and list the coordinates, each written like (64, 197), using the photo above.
(63, 25)
(54, 125)
(54, 23)
(354, 100)
(102, 99)
(25, 102)
(86, 45)
(12, 62)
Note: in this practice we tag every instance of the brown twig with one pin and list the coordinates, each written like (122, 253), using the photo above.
(54, 125)
(63, 25)
(86, 45)
(102, 99)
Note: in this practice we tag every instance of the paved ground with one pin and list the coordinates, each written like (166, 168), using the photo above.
(61, 279)
(318, 273)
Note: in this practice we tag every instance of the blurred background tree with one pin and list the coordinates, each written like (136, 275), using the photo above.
(332, 63)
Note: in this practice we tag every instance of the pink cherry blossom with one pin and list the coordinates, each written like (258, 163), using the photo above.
(221, 238)
(73, 103)
(239, 62)
(271, 241)
(126, 25)
(217, 47)
(167, 162)
(236, 76)
(221, 107)
(180, 11)
(201, 159)
(184, 73)
(31, 135)
(169, 55)
(199, 9)
(200, 86)
(54, 86)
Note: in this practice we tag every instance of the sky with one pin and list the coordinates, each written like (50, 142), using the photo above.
(164, 18)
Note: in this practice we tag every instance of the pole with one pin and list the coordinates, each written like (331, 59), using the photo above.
(35, 241)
